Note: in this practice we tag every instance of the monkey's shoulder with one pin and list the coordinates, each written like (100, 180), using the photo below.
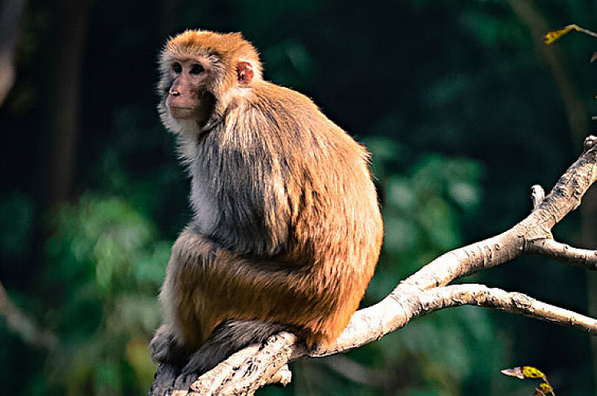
(277, 98)
(284, 111)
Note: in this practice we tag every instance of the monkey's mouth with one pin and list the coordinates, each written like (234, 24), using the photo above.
(182, 113)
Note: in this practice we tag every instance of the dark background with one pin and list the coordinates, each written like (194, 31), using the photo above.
(460, 103)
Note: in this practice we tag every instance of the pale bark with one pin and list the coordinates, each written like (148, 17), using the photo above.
(427, 290)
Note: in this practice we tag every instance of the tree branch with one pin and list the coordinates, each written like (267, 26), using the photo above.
(517, 303)
(426, 291)
(561, 251)
(24, 326)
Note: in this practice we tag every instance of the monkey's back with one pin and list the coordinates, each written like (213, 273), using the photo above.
(279, 182)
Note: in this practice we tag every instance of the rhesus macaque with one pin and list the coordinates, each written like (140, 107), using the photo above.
(286, 230)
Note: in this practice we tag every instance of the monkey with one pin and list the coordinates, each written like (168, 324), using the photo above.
(286, 227)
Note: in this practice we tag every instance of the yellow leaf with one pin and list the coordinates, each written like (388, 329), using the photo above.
(551, 37)
(544, 390)
(532, 372)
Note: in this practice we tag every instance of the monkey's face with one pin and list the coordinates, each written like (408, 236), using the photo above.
(188, 98)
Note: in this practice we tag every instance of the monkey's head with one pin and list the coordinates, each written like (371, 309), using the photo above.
(201, 74)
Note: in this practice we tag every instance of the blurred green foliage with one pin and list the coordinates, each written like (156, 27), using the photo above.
(105, 265)
(460, 112)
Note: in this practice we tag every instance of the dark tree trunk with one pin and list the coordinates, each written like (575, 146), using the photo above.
(64, 105)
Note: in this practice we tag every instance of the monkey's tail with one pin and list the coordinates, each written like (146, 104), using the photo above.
(229, 337)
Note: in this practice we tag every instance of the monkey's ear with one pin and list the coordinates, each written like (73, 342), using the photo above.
(244, 72)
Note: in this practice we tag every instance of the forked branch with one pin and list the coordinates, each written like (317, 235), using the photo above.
(426, 290)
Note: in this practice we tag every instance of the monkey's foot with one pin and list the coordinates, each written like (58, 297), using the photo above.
(185, 380)
(166, 385)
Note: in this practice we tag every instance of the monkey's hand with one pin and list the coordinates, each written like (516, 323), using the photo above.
(166, 351)
(161, 345)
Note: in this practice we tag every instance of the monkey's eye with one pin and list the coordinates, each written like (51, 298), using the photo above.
(196, 69)
(176, 68)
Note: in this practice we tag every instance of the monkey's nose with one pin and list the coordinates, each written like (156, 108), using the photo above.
(174, 92)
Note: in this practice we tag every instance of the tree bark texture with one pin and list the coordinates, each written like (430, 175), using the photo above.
(428, 290)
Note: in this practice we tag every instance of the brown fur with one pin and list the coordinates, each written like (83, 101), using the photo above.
(287, 228)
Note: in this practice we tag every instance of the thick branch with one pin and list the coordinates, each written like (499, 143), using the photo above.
(249, 376)
(426, 290)
(409, 306)
(252, 368)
